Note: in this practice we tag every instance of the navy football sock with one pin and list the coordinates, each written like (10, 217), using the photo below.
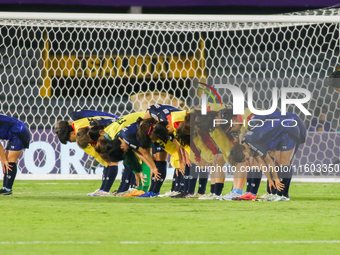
(218, 188)
(173, 187)
(248, 182)
(178, 182)
(192, 184)
(132, 181)
(192, 179)
(287, 185)
(161, 165)
(181, 183)
(268, 190)
(186, 178)
(11, 175)
(212, 188)
(274, 191)
(202, 184)
(110, 177)
(104, 178)
(127, 184)
(122, 181)
(255, 181)
(4, 180)
(152, 183)
(286, 177)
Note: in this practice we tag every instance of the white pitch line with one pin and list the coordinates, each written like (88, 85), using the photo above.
(172, 242)
(230, 242)
(47, 183)
(55, 183)
(52, 242)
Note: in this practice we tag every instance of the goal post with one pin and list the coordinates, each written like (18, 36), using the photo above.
(56, 63)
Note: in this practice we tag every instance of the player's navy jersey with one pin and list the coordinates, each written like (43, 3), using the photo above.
(81, 114)
(272, 135)
(161, 111)
(129, 135)
(10, 126)
(156, 148)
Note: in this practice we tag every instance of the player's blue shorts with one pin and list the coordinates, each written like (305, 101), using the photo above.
(19, 141)
(286, 143)
(293, 138)
(156, 148)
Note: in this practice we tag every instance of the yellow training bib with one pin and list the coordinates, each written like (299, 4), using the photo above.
(122, 122)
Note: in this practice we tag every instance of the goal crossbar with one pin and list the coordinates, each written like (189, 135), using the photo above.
(169, 17)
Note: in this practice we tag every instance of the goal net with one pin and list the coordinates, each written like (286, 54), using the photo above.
(54, 64)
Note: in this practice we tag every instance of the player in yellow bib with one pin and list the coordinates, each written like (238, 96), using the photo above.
(67, 131)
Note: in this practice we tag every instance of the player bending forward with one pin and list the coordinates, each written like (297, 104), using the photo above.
(68, 131)
(18, 137)
(267, 136)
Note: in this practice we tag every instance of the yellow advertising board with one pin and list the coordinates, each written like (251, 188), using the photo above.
(135, 67)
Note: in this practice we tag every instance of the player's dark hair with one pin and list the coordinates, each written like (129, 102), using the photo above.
(183, 130)
(144, 131)
(110, 151)
(83, 138)
(161, 132)
(334, 79)
(236, 154)
(206, 122)
(226, 114)
(63, 130)
(94, 132)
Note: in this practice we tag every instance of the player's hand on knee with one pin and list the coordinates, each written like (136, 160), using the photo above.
(155, 173)
(140, 178)
(187, 158)
(279, 186)
(182, 169)
(271, 184)
(6, 167)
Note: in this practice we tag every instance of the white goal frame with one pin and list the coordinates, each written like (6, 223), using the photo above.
(20, 18)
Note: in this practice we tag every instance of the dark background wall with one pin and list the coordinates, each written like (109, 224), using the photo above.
(174, 7)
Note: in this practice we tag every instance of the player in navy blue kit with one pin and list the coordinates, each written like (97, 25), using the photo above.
(282, 134)
(155, 113)
(128, 140)
(18, 137)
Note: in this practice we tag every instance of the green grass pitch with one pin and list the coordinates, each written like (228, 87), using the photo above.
(56, 217)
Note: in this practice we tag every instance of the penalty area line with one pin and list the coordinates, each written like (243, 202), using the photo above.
(231, 242)
(171, 242)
